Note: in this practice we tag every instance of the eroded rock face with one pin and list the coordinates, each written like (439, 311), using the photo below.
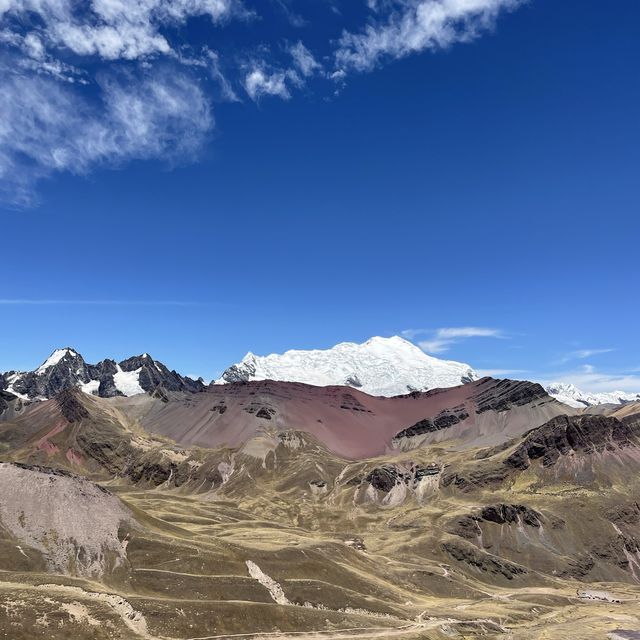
(391, 485)
(511, 514)
(480, 478)
(70, 406)
(633, 423)
(470, 526)
(489, 412)
(72, 522)
(443, 420)
(624, 514)
(565, 435)
(386, 478)
(6, 399)
(260, 410)
(351, 403)
(510, 393)
(383, 479)
(484, 562)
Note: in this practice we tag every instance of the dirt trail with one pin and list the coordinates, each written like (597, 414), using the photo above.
(352, 633)
(132, 619)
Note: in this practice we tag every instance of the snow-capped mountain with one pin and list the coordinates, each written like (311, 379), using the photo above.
(379, 367)
(66, 368)
(569, 394)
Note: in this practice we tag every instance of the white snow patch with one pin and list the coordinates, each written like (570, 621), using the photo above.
(91, 387)
(570, 395)
(22, 396)
(128, 382)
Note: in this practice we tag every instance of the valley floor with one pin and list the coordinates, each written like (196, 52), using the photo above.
(520, 523)
(37, 607)
(188, 578)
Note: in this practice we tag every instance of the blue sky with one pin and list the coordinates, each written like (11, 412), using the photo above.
(200, 179)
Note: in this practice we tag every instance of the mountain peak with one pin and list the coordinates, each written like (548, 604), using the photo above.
(394, 342)
(569, 394)
(57, 356)
(385, 339)
(65, 369)
(380, 366)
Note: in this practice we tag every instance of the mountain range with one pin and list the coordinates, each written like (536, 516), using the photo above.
(574, 397)
(378, 367)
(280, 509)
(66, 368)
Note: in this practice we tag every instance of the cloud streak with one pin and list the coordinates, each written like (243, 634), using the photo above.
(583, 354)
(416, 25)
(46, 126)
(111, 29)
(500, 373)
(18, 302)
(441, 340)
(102, 83)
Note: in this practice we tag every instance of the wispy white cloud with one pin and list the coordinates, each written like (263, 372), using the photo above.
(258, 83)
(111, 29)
(214, 65)
(295, 19)
(262, 79)
(304, 60)
(442, 339)
(155, 108)
(46, 126)
(409, 26)
(104, 82)
(499, 373)
(582, 354)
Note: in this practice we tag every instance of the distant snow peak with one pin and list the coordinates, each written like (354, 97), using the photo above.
(569, 394)
(379, 366)
(55, 358)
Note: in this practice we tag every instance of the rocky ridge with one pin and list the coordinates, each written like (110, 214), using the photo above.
(568, 435)
(66, 368)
